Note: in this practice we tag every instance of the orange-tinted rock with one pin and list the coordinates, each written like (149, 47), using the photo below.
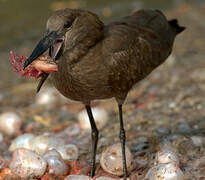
(79, 167)
(7, 173)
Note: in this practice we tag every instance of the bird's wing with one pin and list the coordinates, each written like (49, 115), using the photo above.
(133, 47)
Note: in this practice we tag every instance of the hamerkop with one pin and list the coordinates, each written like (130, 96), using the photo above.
(97, 61)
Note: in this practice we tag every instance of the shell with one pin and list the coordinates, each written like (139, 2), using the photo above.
(23, 141)
(56, 165)
(68, 151)
(99, 114)
(10, 123)
(111, 159)
(26, 163)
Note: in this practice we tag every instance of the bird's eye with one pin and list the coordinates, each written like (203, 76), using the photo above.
(67, 24)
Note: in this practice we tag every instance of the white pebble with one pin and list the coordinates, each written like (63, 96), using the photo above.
(52, 152)
(23, 141)
(26, 163)
(166, 156)
(10, 123)
(43, 143)
(99, 114)
(169, 171)
(111, 159)
(56, 165)
(47, 96)
(68, 151)
(77, 177)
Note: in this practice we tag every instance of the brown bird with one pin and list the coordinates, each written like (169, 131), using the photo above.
(97, 61)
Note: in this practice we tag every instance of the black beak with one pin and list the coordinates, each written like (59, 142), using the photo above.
(46, 42)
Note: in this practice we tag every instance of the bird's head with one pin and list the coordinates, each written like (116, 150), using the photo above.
(65, 30)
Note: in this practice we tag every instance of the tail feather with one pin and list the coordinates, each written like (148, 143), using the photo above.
(174, 24)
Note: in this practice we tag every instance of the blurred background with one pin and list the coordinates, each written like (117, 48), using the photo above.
(169, 102)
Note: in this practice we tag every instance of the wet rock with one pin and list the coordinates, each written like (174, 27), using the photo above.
(100, 116)
(23, 141)
(10, 123)
(198, 140)
(168, 171)
(26, 163)
(77, 177)
(166, 156)
(52, 152)
(68, 151)
(47, 96)
(43, 143)
(111, 159)
(56, 165)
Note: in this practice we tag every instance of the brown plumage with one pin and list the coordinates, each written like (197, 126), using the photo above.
(98, 61)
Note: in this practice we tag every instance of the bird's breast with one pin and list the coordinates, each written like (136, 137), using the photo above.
(85, 81)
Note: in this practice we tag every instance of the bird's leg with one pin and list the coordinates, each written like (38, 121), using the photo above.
(122, 140)
(94, 136)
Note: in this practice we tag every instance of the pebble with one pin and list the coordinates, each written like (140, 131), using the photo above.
(184, 127)
(105, 178)
(199, 163)
(111, 159)
(166, 156)
(68, 151)
(198, 140)
(26, 163)
(1, 96)
(163, 130)
(77, 177)
(10, 123)
(52, 152)
(168, 171)
(3, 163)
(47, 96)
(1, 137)
(23, 141)
(198, 75)
(43, 143)
(99, 114)
(56, 165)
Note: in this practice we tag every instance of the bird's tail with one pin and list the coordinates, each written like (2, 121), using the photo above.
(175, 26)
